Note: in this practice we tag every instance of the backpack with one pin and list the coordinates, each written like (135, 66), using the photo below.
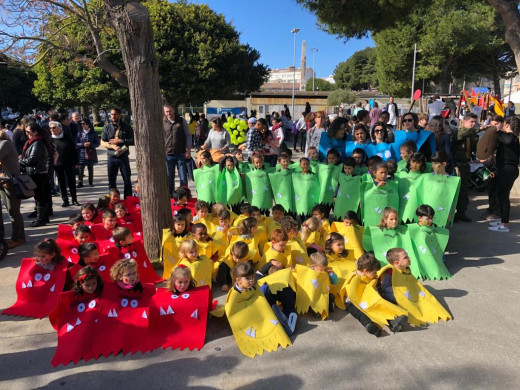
(294, 129)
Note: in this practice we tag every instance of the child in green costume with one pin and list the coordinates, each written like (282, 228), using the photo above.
(306, 189)
(206, 178)
(328, 176)
(347, 196)
(407, 181)
(281, 184)
(258, 187)
(229, 182)
(429, 243)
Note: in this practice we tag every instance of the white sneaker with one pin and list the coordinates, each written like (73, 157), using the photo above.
(499, 228)
(293, 317)
(495, 223)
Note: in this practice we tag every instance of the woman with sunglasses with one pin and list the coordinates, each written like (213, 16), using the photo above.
(379, 133)
(380, 143)
(87, 141)
(424, 139)
(33, 161)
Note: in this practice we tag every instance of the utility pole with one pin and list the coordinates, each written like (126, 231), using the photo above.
(314, 51)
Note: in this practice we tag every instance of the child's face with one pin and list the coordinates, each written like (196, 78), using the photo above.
(348, 170)
(192, 254)
(380, 174)
(44, 258)
(425, 221)
(415, 166)
(403, 262)
(257, 215)
(304, 165)
(115, 198)
(439, 168)
(120, 213)
(350, 222)
(277, 215)
(257, 162)
(224, 223)
(359, 136)
(391, 221)
(318, 214)
(203, 212)
(332, 159)
(237, 259)
(182, 201)
(110, 223)
(293, 233)
(89, 285)
(405, 154)
(370, 274)
(200, 234)
(204, 161)
(230, 166)
(82, 237)
(182, 284)
(312, 154)
(127, 241)
(239, 156)
(319, 268)
(284, 163)
(338, 246)
(129, 276)
(189, 218)
(92, 257)
(279, 246)
(87, 214)
(179, 226)
(245, 282)
(358, 157)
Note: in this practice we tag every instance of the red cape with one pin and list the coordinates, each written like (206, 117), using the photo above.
(123, 321)
(75, 318)
(37, 289)
(65, 232)
(105, 262)
(69, 249)
(179, 320)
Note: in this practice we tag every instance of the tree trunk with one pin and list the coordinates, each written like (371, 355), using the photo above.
(508, 10)
(496, 78)
(95, 115)
(134, 31)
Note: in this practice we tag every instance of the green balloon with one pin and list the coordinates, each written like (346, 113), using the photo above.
(232, 125)
(230, 119)
(237, 121)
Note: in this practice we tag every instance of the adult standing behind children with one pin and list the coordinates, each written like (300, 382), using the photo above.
(392, 109)
(117, 137)
(178, 146)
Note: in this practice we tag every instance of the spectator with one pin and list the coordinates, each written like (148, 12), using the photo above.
(201, 130)
(510, 110)
(435, 107)
(87, 141)
(374, 114)
(393, 112)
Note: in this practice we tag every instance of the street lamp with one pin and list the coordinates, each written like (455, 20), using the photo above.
(413, 71)
(314, 51)
(294, 31)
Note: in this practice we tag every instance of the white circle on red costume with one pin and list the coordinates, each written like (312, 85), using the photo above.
(74, 251)
(127, 255)
(185, 296)
(175, 296)
(102, 268)
(47, 277)
(124, 302)
(81, 307)
(38, 277)
(92, 304)
(134, 303)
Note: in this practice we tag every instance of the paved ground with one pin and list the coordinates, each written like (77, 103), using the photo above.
(477, 350)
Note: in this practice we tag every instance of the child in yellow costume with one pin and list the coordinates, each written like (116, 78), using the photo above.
(239, 253)
(221, 235)
(352, 232)
(216, 209)
(364, 302)
(202, 215)
(200, 266)
(311, 234)
(278, 255)
(247, 231)
(273, 222)
(171, 241)
(246, 211)
(261, 232)
(342, 263)
(255, 326)
(313, 286)
(318, 211)
(399, 286)
(298, 250)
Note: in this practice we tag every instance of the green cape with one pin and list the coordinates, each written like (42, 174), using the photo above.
(206, 183)
(258, 189)
(375, 199)
(281, 184)
(348, 196)
(429, 244)
(229, 187)
(306, 192)
(408, 195)
(441, 193)
(328, 177)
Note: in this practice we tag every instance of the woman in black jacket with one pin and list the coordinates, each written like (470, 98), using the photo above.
(67, 162)
(33, 162)
(508, 158)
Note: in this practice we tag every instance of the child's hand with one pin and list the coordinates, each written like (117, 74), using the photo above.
(329, 270)
(277, 264)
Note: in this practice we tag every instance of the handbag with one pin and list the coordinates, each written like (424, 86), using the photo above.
(90, 154)
(23, 186)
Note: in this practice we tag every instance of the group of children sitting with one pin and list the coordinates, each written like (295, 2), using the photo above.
(273, 269)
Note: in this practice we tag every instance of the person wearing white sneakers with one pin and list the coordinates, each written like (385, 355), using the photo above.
(508, 158)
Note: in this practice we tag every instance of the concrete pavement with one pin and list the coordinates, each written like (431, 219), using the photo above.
(477, 350)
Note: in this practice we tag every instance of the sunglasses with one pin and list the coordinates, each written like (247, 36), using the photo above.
(378, 131)
(52, 127)
(407, 120)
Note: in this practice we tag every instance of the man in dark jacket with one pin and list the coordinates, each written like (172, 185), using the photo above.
(117, 136)
(178, 146)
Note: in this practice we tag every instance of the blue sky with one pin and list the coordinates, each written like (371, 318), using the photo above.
(266, 25)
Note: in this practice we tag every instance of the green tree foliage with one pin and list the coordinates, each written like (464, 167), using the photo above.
(339, 96)
(200, 55)
(358, 72)
(16, 79)
(320, 85)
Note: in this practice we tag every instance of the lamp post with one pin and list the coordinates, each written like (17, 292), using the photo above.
(413, 71)
(314, 51)
(294, 31)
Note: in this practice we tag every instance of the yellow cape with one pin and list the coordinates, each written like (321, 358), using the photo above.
(362, 292)
(411, 295)
(270, 226)
(353, 236)
(279, 280)
(298, 251)
(252, 243)
(201, 270)
(343, 267)
(312, 292)
(170, 251)
(283, 257)
(254, 324)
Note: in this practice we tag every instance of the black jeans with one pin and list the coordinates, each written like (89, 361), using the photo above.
(90, 168)
(506, 177)
(303, 135)
(66, 175)
(42, 192)
(116, 164)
